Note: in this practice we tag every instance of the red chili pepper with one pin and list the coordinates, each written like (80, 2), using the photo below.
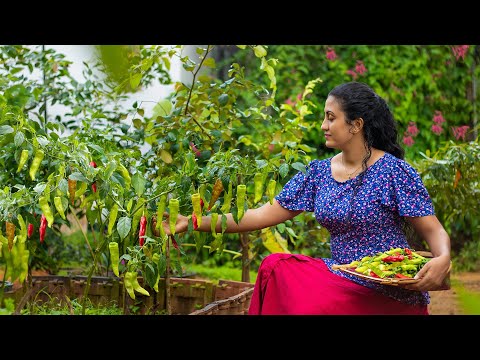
(94, 185)
(43, 228)
(401, 276)
(30, 230)
(373, 274)
(175, 245)
(393, 258)
(201, 203)
(194, 220)
(143, 228)
(409, 253)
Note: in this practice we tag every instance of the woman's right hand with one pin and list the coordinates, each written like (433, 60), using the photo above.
(181, 225)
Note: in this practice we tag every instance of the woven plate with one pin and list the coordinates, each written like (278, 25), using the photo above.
(393, 281)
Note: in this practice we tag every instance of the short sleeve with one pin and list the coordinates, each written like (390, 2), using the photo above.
(407, 193)
(299, 192)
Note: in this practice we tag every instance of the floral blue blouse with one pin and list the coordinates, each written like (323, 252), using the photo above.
(391, 188)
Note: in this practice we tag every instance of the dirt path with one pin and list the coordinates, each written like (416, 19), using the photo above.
(446, 302)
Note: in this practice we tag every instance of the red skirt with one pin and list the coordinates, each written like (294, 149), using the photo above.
(293, 284)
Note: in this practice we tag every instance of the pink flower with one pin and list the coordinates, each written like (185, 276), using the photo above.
(290, 102)
(331, 55)
(460, 51)
(460, 131)
(360, 67)
(412, 129)
(352, 73)
(408, 140)
(438, 118)
(437, 129)
(299, 96)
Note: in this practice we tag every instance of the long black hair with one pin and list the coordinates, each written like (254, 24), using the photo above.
(358, 100)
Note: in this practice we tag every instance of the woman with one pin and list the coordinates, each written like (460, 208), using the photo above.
(364, 196)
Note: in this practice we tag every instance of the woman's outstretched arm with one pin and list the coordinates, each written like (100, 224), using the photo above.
(254, 219)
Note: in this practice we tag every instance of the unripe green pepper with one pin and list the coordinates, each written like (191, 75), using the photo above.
(23, 160)
(258, 186)
(213, 223)
(174, 206)
(47, 211)
(37, 159)
(271, 190)
(241, 192)
(162, 204)
(155, 259)
(227, 199)
(136, 286)
(112, 218)
(125, 174)
(57, 200)
(197, 208)
(114, 256)
(127, 282)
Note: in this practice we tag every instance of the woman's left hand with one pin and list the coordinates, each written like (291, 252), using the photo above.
(431, 275)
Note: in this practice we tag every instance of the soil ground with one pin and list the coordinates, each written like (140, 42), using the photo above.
(443, 302)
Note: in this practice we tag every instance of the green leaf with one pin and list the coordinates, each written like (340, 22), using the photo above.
(110, 168)
(78, 176)
(163, 108)
(210, 62)
(299, 166)
(6, 129)
(162, 265)
(178, 267)
(283, 170)
(39, 188)
(124, 225)
(19, 138)
(150, 275)
(138, 183)
(135, 80)
(242, 47)
(291, 232)
(281, 227)
(97, 148)
(259, 51)
(223, 99)
(261, 163)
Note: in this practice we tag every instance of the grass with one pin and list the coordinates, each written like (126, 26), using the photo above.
(218, 273)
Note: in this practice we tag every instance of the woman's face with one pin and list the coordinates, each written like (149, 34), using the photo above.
(337, 130)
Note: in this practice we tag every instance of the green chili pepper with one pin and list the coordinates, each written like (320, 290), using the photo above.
(136, 286)
(138, 214)
(125, 174)
(197, 208)
(241, 192)
(112, 218)
(114, 256)
(81, 189)
(127, 282)
(23, 160)
(174, 206)
(57, 200)
(258, 182)
(213, 223)
(155, 259)
(271, 190)
(47, 211)
(23, 266)
(37, 160)
(162, 204)
(22, 236)
(227, 199)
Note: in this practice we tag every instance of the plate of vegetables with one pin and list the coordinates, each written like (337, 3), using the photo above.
(392, 267)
